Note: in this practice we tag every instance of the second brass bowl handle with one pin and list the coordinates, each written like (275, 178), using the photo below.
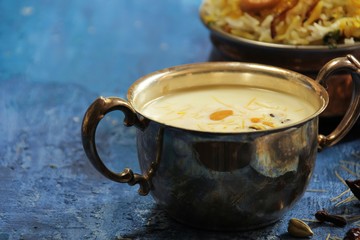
(349, 119)
(97, 110)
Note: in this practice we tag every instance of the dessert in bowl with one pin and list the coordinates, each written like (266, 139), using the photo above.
(226, 145)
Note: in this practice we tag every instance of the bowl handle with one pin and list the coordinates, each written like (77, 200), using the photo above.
(349, 119)
(96, 111)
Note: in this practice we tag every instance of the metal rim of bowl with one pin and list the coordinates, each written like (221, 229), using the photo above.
(206, 67)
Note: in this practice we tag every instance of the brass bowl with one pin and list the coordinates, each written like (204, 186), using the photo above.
(306, 59)
(222, 180)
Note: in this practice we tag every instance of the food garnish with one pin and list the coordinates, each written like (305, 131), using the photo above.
(220, 115)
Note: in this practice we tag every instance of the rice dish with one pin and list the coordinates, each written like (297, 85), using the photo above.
(293, 22)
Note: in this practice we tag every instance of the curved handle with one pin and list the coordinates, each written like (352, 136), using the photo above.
(349, 119)
(97, 110)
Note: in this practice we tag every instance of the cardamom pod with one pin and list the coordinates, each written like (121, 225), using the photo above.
(298, 228)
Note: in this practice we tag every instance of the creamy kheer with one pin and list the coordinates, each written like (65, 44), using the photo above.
(228, 109)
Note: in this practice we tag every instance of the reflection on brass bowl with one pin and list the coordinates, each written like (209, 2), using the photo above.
(304, 59)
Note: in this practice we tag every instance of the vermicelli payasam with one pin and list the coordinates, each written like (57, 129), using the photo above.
(295, 22)
(228, 109)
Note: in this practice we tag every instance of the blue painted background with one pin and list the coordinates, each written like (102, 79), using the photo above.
(56, 57)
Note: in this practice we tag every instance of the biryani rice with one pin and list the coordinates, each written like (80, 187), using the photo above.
(295, 22)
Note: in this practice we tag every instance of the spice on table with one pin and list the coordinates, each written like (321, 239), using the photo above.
(354, 187)
(324, 216)
(298, 228)
(352, 234)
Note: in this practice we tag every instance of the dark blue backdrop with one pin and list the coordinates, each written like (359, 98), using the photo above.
(56, 57)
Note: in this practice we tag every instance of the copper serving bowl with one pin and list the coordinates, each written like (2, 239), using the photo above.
(306, 59)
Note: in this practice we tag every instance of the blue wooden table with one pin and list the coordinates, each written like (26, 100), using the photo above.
(56, 57)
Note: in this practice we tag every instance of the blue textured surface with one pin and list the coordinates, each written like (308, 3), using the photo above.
(56, 57)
